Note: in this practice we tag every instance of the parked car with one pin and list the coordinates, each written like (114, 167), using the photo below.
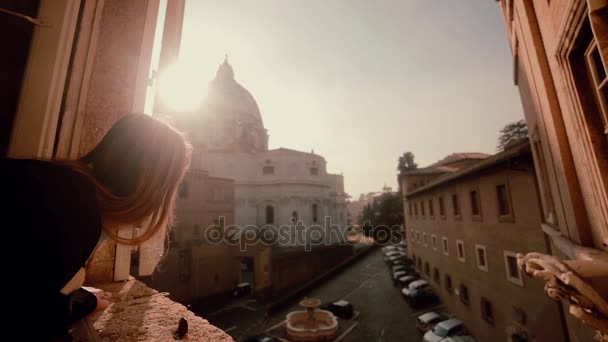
(400, 268)
(398, 275)
(388, 249)
(415, 286)
(465, 338)
(422, 298)
(242, 289)
(427, 320)
(406, 280)
(451, 327)
(394, 253)
(401, 261)
(340, 308)
(261, 338)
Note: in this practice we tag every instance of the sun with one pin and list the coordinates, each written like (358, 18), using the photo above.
(181, 88)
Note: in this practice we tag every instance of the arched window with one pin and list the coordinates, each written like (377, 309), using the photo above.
(294, 216)
(269, 214)
(315, 213)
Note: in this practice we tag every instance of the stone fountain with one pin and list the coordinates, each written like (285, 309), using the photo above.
(312, 324)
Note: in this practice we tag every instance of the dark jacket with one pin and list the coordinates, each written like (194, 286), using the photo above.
(50, 226)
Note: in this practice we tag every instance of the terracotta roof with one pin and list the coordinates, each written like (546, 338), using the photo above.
(455, 157)
(515, 150)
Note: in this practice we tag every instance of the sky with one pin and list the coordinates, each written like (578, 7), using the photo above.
(359, 81)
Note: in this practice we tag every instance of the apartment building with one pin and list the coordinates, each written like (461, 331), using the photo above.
(465, 226)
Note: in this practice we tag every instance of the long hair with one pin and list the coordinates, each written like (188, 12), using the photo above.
(137, 168)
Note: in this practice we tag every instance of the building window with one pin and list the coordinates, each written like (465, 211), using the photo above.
(446, 249)
(456, 206)
(486, 310)
(269, 214)
(427, 268)
(419, 263)
(416, 209)
(599, 81)
(460, 250)
(424, 241)
(441, 208)
(434, 242)
(294, 217)
(411, 210)
(513, 272)
(448, 284)
(504, 202)
(183, 190)
(464, 294)
(475, 205)
(315, 213)
(418, 237)
(431, 209)
(268, 170)
(436, 275)
(482, 262)
(314, 171)
(422, 208)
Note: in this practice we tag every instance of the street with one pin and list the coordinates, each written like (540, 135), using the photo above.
(367, 284)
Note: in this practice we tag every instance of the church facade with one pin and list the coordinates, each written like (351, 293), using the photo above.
(273, 187)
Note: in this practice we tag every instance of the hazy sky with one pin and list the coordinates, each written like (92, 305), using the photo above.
(362, 81)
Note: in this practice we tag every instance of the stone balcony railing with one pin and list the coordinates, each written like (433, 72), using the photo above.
(139, 313)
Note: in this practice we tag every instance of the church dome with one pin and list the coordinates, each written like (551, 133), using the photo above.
(227, 96)
(234, 121)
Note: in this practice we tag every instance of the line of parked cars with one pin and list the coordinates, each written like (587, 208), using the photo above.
(415, 290)
(434, 326)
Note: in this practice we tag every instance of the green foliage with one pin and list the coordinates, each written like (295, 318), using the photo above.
(406, 162)
(512, 132)
(386, 210)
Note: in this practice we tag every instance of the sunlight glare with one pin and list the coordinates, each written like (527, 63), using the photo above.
(181, 87)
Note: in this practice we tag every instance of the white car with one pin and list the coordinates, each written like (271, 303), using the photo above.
(451, 327)
(427, 320)
(394, 253)
(415, 286)
(399, 274)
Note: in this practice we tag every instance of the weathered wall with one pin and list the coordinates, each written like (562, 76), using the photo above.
(290, 269)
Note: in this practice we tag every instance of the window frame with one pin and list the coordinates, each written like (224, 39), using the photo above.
(431, 208)
(517, 281)
(436, 276)
(485, 257)
(448, 285)
(456, 207)
(510, 216)
(441, 208)
(434, 242)
(486, 309)
(445, 245)
(462, 259)
(425, 241)
(462, 289)
(268, 170)
(479, 215)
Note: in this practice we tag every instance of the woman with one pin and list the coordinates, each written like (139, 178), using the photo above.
(56, 212)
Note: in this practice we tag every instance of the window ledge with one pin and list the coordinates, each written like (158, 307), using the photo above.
(139, 313)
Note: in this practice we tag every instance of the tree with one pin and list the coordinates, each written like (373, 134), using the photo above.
(512, 132)
(406, 163)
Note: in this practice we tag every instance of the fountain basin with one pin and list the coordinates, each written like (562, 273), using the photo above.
(300, 327)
